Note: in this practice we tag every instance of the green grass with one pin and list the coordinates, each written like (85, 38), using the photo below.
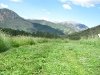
(4, 42)
(41, 56)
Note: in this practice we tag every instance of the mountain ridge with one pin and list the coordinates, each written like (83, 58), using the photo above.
(65, 27)
(10, 19)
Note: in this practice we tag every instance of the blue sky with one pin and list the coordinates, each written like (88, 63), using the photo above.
(81, 11)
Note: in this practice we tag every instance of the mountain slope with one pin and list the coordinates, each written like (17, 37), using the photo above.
(65, 27)
(9, 19)
(91, 32)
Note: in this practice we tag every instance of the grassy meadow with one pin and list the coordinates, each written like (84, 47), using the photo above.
(26, 55)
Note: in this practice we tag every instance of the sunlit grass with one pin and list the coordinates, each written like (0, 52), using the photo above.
(26, 55)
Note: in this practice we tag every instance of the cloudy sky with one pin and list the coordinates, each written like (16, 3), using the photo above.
(82, 11)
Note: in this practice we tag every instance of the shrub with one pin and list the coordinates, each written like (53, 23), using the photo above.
(22, 40)
(74, 37)
(4, 42)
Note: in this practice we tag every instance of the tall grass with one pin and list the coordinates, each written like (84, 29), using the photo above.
(48, 56)
(22, 40)
(7, 41)
(91, 41)
(4, 42)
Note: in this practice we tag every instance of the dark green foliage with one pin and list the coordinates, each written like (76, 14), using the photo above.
(35, 34)
(47, 29)
(4, 43)
(74, 37)
(14, 32)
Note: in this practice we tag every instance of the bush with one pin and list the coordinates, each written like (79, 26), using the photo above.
(22, 40)
(4, 42)
(74, 37)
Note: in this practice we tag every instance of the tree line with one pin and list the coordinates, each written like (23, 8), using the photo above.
(13, 32)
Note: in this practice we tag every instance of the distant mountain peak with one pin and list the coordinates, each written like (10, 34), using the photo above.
(70, 22)
(7, 14)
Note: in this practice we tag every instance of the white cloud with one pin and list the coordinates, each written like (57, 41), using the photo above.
(86, 3)
(82, 3)
(66, 6)
(16, 1)
(3, 6)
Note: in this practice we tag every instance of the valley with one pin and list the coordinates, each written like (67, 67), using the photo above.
(41, 47)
